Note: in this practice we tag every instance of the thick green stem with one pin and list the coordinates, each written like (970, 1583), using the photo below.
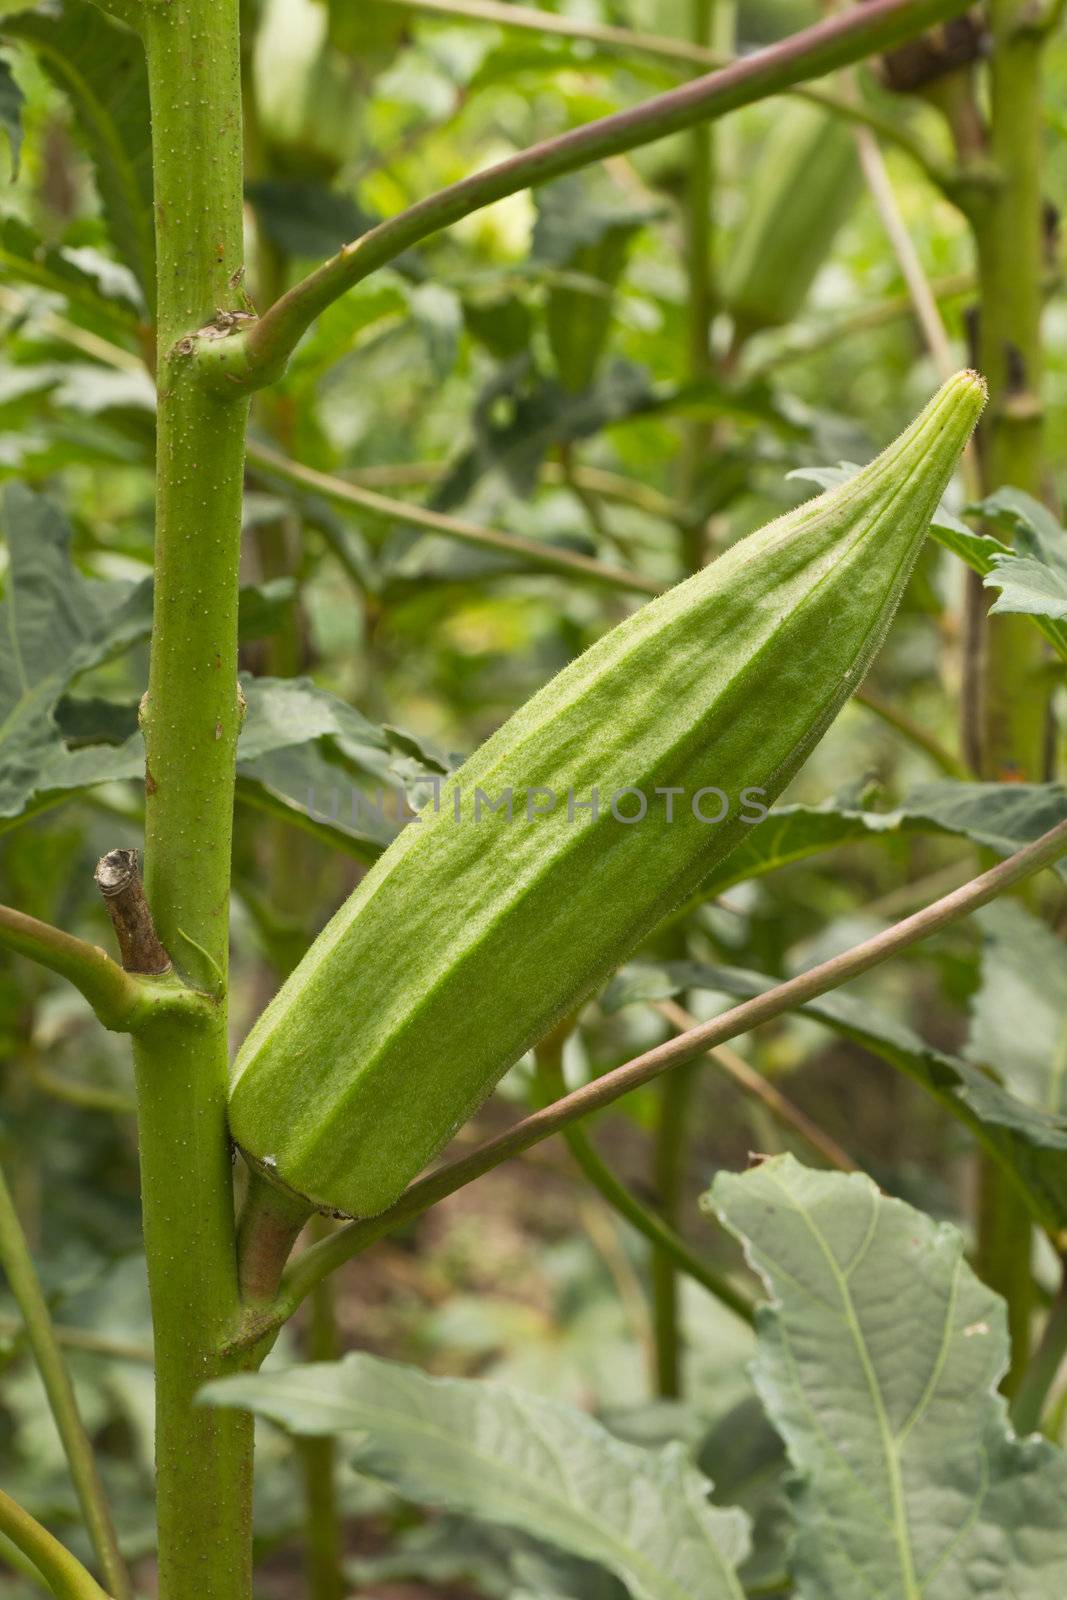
(191, 719)
(668, 1173)
(25, 1286)
(1011, 729)
(251, 358)
(63, 1574)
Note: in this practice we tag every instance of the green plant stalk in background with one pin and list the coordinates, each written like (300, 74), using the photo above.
(1012, 699)
(323, 1543)
(667, 1244)
(668, 1177)
(1009, 228)
(708, 18)
(190, 723)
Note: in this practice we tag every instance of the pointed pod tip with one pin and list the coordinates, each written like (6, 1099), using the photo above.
(949, 418)
(970, 378)
(969, 385)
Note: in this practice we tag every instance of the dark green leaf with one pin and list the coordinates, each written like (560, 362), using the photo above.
(11, 98)
(304, 218)
(87, 278)
(54, 625)
(520, 415)
(1019, 1015)
(264, 607)
(99, 65)
(583, 225)
(1001, 816)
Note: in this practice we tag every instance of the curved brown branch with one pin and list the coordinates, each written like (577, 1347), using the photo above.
(236, 357)
(552, 558)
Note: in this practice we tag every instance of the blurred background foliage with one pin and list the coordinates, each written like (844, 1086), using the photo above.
(529, 371)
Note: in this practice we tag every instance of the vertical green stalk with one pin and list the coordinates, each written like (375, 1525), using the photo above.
(25, 1286)
(322, 1525)
(1032, 1395)
(1008, 222)
(1009, 234)
(668, 1176)
(711, 22)
(190, 722)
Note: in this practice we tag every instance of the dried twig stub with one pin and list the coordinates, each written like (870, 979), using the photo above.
(118, 878)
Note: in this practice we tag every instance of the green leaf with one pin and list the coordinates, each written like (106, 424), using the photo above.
(879, 1357)
(1019, 1015)
(85, 277)
(1032, 576)
(1002, 816)
(99, 65)
(999, 816)
(585, 226)
(520, 415)
(437, 313)
(309, 757)
(11, 100)
(54, 625)
(264, 607)
(93, 720)
(504, 1456)
(304, 754)
(283, 712)
(743, 1456)
(792, 833)
(1021, 1130)
(304, 218)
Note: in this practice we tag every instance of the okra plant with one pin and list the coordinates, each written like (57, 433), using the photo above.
(607, 292)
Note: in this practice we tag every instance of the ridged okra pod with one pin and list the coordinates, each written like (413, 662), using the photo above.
(479, 928)
(806, 183)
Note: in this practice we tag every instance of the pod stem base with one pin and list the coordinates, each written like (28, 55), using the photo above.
(271, 1220)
